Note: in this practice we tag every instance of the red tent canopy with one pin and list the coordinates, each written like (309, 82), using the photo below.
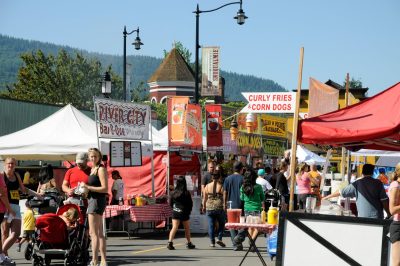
(370, 124)
(137, 179)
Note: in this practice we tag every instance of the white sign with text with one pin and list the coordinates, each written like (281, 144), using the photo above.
(269, 102)
(122, 120)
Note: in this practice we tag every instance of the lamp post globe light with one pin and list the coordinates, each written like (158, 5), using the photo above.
(106, 85)
(240, 18)
(137, 43)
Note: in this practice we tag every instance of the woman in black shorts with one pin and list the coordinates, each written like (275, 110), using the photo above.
(394, 207)
(182, 204)
(98, 189)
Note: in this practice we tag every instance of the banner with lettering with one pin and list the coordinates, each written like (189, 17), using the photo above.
(176, 108)
(269, 102)
(122, 120)
(274, 126)
(210, 71)
(266, 125)
(257, 145)
(214, 125)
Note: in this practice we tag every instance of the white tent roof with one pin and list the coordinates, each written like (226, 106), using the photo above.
(367, 152)
(57, 137)
(308, 157)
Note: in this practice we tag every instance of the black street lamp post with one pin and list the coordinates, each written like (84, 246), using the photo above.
(137, 43)
(240, 18)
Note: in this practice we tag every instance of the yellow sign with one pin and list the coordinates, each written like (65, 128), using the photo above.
(271, 147)
(273, 126)
(266, 125)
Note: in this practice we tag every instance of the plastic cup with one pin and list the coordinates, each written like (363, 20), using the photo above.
(242, 219)
(234, 215)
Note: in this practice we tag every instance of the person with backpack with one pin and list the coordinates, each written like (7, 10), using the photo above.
(182, 204)
(213, 205)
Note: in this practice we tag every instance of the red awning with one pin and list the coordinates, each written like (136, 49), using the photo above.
(370, 124)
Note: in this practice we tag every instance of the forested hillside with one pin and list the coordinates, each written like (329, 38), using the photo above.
(143, 67)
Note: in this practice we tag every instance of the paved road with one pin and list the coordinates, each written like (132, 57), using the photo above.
(151, 249)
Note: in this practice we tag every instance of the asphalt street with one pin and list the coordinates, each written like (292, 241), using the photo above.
(150, 248)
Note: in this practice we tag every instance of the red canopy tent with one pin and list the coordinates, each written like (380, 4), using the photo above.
(138, 179)
(370, 124)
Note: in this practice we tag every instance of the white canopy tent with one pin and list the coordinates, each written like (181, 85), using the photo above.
(57, 137)
(60, 136)
(386, 158)
(306, 156)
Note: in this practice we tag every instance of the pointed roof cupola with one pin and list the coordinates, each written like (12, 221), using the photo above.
(173, 77)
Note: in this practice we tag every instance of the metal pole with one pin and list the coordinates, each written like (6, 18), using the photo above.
(124, 67)
(196, 75)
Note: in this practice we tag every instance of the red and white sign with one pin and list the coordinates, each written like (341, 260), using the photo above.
(122, 120)
(269, 102)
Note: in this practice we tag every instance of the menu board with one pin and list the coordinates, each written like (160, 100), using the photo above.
(125, 153)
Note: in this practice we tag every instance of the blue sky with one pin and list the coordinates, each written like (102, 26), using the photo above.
(358, 36)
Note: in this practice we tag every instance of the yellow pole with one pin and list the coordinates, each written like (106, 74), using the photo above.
(294, 136)
(346, 100)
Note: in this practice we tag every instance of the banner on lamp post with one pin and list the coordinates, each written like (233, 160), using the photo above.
(210, 71)
(269, 102)
(184, 123)
(214, 125)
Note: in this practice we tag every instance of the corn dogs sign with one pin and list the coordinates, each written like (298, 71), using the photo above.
(269, 102)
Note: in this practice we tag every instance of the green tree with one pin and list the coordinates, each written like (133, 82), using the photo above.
(354, 83)
(140, 93)
(161, 110)
(60, 79)
(186, 54)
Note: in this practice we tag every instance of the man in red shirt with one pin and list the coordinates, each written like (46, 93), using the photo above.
(76, 174)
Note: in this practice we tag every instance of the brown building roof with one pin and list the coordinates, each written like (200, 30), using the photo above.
(173, 68)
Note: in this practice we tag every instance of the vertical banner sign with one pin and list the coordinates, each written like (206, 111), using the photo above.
(214, 125)
(122, 120)
(176, 107)
(210, 71)
(193, 133)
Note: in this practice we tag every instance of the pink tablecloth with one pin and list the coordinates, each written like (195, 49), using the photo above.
(147, 213)
(265, 228)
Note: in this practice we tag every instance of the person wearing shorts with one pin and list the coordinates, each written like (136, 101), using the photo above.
(11, 224)
(98, 188)
(394, 207)
(182, 204)
(28, 225)
(5, 206)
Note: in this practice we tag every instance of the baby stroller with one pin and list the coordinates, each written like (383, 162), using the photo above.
(49, 203)
(54, 241)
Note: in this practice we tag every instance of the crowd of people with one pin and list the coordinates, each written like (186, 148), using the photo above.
(93, 180)
(245, 189)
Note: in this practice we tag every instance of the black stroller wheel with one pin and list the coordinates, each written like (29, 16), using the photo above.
(38, 261)
(69, 262)
(28, 251)
(47, 261)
